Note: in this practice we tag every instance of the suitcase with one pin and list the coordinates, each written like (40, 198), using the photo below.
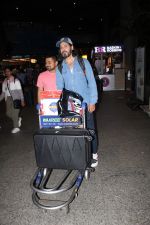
(68, 149)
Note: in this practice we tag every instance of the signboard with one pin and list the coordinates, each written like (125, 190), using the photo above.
(49, 101)
(48, 115)
(139, 72)
(107, 49)
(54, 121)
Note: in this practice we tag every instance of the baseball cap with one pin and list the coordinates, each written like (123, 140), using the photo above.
(64, 39)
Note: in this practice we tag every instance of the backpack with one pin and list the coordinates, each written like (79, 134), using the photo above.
(80, 61)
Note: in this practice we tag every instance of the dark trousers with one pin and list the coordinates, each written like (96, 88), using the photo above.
(91, 126)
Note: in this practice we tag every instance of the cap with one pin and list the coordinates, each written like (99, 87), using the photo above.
(64, 39)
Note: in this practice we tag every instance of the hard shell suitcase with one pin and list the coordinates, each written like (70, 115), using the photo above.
(68, 149)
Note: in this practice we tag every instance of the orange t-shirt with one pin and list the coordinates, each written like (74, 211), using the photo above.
(47, 81)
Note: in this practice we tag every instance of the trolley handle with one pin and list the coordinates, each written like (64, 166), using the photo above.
(84, 116)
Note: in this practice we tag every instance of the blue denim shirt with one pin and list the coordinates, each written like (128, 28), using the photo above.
(77, 81)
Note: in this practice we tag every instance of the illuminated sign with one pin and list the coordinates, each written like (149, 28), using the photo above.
(114, 49)
(108, 49)
(100, 49)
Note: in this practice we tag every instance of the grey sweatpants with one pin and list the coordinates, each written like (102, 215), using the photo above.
(11, 112)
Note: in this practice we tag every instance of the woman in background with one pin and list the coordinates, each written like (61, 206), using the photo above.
(12, 90)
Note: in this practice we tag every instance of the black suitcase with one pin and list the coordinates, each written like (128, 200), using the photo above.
(68, 149)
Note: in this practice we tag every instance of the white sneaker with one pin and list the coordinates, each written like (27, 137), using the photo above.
(94, 161)
(15, 130)
(19, 121)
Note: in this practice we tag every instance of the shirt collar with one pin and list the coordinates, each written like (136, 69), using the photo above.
(64, 61)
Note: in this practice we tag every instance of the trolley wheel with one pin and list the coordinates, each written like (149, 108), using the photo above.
(44, 172)
(92, 169)
(76, 194)
(87, 174)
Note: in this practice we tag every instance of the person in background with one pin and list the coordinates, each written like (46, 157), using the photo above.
(73, 78)
(11, 90)
(47, 79)
(21, 75)
(29, 87)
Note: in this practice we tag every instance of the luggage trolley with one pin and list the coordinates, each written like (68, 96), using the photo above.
(62, 143)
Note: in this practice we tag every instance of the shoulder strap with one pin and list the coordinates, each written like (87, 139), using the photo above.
(60, 66)
(82, 64)
(8, 89)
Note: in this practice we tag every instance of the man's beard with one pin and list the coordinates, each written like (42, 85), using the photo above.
(66, 54)
(50, 68)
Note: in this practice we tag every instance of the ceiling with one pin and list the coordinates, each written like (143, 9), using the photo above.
(75, 16)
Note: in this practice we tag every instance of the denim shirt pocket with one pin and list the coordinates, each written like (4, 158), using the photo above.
(79, 71)
(64, 70)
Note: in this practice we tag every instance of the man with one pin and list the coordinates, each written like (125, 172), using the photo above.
(73, 78)
(47, 79)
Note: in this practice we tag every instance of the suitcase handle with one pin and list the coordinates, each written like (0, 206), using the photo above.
(89, 138)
